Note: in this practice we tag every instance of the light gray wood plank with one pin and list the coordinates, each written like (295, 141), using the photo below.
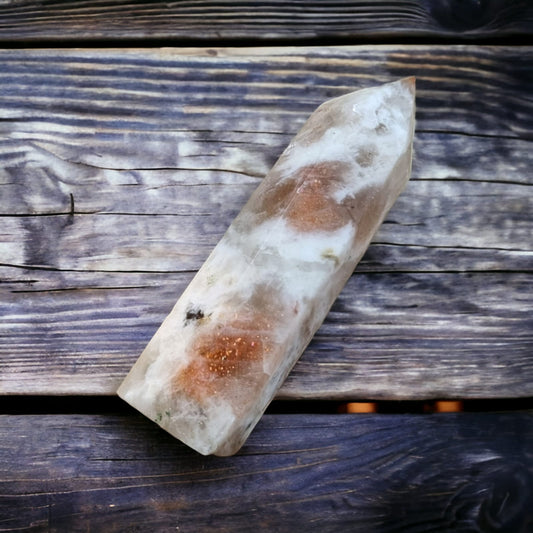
(388, 336)
(122, 169)
(490, 221)
(63, 98)
(75, 122)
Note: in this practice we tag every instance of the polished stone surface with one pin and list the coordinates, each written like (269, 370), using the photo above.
(218, 359)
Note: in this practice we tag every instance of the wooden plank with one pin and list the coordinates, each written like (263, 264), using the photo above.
(357, 473)
(67, 97)
(75, 122)
(432, 222)
(122, 169)
(388, 336)
(273, 20)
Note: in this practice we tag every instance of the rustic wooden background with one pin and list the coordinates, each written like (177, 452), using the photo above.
(130, 136)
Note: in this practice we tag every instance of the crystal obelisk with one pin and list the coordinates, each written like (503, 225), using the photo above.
(218, 359)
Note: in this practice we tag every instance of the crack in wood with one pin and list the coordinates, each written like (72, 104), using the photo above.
(450, 247)
(471, 180)
(103, 271)
(528, 137)
(72, 289)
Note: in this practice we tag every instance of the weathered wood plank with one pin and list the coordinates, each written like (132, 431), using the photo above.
(295, 19)
(58, 100)
(389, 335)
(122, 169)
(359, 473)
(433, 222)
(75, 122)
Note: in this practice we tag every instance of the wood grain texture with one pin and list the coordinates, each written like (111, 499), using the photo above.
(345, 473)
(267, 21)
(388, 336)
(122, 169)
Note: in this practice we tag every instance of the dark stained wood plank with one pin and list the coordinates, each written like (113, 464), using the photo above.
(356, 473)
(122, 169)
(388, 336)
(268, 21)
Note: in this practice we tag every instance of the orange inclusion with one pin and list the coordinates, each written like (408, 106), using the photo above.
(227, 357)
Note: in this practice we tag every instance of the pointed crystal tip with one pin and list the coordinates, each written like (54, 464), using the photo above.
(410, 83)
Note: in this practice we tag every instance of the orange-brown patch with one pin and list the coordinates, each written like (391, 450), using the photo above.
(306, 200)
(225, 354)
(228, 358)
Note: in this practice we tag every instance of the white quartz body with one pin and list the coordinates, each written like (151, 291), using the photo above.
(218, 359)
